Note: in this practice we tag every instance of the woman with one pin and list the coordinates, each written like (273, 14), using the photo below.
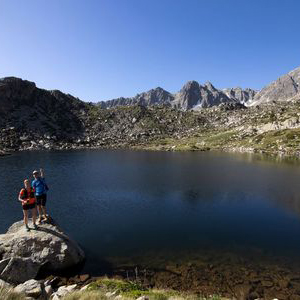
(27, 199)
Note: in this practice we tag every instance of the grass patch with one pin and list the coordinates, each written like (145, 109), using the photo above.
(123, 287)
(86, 295)
(130, 290)
(152, 295)
(9, 294)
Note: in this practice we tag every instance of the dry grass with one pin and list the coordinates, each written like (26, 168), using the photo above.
(9, 294)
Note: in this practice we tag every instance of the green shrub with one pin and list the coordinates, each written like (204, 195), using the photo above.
(115, 284)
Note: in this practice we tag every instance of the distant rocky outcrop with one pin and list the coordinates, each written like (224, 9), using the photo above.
(192, 96)
(23, 255)
(282, 89)
(243, 96)
(152, 97)
(195, 96)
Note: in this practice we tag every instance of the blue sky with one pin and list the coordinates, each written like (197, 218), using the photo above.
(103, 49)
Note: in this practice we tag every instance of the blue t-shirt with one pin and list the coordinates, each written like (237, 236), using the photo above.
(40, 186)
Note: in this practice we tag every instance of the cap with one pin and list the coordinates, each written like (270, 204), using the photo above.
(35, 172)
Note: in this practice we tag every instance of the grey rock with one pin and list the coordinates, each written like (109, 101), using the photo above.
(64, 290)
(47, 249)
(188, 97)
(31, 288)
(282, 89)
(243, 96)
(12, 273)
(3, 263)
(152, 97)
(194, 96)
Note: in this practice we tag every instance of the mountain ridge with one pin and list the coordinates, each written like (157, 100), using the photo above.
(282, 89)
(197, 117)
(191, 96)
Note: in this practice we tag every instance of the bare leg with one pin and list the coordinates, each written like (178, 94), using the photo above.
(44, 212)
(34, 216)
(25, 212)
(40, 213)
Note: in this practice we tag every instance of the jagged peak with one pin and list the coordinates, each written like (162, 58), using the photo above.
(191, 84)
(209, 85)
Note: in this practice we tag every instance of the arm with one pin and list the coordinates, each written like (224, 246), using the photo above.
(20, 199)
(42, 173)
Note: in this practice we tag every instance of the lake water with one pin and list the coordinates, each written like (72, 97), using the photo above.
(164, 209)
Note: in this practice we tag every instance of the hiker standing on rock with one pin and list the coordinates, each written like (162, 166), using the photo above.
(41, 188)
(27, 199)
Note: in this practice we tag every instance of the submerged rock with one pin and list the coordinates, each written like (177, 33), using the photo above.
(24, 254)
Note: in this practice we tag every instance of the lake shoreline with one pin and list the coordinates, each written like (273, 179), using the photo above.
(164, 148)
(205, 280)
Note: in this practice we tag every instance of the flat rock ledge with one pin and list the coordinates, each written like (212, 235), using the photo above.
(24, 254)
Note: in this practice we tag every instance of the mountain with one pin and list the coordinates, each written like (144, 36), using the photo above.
(192, 96)
(195, 96)
(239, 95)
(282, 89)
(34, 118)
(38, 111)
(152, 97)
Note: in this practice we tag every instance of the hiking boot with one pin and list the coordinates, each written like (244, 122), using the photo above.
(27, 228)
(35, 227)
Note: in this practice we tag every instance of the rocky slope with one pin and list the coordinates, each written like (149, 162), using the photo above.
(27, 109)
(282, 89)
(198, 117)
(239, 95)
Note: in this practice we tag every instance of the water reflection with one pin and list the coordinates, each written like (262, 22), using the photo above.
(168, 210)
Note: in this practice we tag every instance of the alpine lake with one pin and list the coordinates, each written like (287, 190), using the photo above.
(210, 222)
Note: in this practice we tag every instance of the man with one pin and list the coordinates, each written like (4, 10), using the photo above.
(40, 188)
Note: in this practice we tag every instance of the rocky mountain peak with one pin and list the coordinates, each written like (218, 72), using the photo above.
(209, 86)
(243, 96)
(282, 89)
(191, 84)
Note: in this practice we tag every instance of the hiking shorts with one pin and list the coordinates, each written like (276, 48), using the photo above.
(41, 200)
(28, 206)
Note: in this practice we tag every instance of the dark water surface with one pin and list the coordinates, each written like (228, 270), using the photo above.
(162, 207)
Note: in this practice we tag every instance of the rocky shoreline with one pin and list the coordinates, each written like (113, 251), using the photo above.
(273, 129)
(45, 253)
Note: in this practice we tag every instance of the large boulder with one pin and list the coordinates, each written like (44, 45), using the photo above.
(24, 254)
(31, 288)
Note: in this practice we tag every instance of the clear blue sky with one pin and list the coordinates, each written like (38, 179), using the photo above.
(103, 49)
